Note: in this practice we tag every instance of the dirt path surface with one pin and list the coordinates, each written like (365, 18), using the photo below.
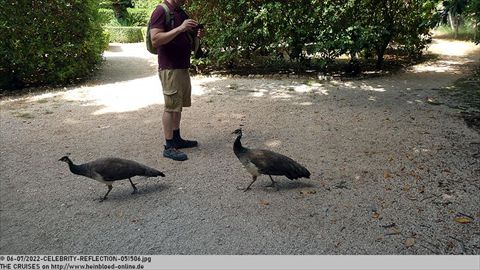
(392, 173)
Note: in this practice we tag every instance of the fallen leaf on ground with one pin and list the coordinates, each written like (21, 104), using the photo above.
(409, 242)
(375, 215)
(463, 220)
(264, 202)
(393, 231)
(308, 191)
(433, 101)
(387, 175)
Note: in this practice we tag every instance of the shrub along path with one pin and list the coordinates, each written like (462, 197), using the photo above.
(394, 170)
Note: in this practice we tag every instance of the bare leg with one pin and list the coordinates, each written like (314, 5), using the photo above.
(177, 117)
(167, 121)
(134, 186)
(105, 197)
(273, 182)
(254, 179)
(170, 121)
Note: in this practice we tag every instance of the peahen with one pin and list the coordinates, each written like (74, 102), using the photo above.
(107, 170)
(258, 161)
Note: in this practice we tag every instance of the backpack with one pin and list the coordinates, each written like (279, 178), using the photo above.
(168, 18)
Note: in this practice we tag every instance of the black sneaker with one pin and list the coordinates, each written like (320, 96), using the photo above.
(174, 154)
(185, 144)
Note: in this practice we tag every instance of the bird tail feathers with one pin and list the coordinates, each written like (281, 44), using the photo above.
(298, 171)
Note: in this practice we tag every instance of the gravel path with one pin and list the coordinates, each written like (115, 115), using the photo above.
(391, 171)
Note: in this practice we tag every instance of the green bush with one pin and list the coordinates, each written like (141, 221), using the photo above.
(146, 4)
(239, 31)
(106, 16)
(49, 42)
(134, 17)
(466, 31)
(144, 33)
(138, 16)
(129, 30)
(125, 34)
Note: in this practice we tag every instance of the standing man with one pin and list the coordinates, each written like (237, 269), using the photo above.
(173, 42)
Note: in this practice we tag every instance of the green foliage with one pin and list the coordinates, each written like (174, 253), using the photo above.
(119, 7)
(49, 42)
(455, 6)
(473, 13)
(242, 31)
(466, 31)
(134, 17)
(107, 17)
(463, 17)
(117, 15)
(138, 16)
(146, 4)
(125, 34)
(127, 30)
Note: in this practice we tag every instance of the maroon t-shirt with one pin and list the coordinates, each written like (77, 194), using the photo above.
(176, 53)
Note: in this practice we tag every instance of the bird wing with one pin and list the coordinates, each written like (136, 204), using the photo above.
(271, 163)
(267, 161)
(112, 169)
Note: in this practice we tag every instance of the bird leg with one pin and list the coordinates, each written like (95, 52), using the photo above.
(273, 182)
(105, 197)
(134, 186)
(254, 179)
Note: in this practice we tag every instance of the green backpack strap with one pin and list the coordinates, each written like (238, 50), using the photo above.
(169, 18)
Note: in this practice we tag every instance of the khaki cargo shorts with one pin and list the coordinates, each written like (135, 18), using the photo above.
(177, 89)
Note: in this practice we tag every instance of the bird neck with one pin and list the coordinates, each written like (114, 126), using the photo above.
(237, 146)
(76, 169)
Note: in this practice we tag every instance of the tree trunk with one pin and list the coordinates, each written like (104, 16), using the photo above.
(119, 11)
(381, 52)
(454, 21)
(475, 30)
(457, 25)
(380, 58)
(451, 20)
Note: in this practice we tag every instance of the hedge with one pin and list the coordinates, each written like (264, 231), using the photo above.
(49, 42)
(138, 16)
(130, 30)
(107, 17)
(240, 31)
(125, 34)
(146, 4)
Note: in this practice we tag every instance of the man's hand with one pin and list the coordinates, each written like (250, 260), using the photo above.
(188, 25)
